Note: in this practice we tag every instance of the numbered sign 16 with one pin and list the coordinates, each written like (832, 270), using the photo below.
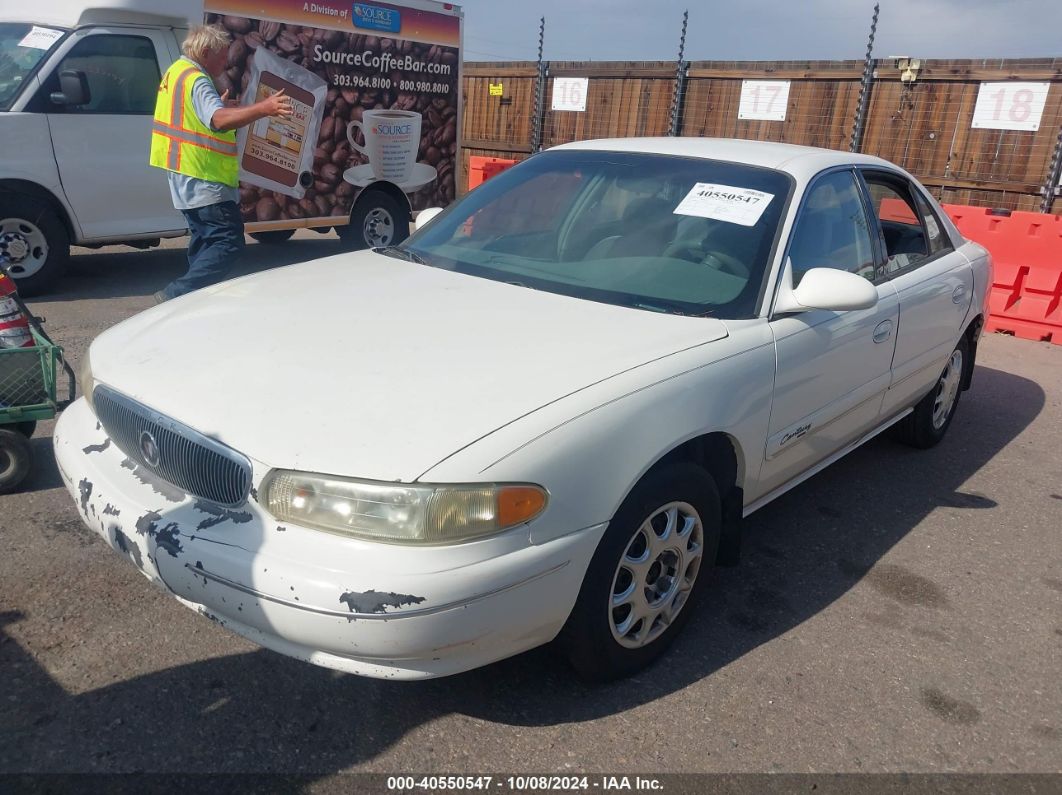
(764, 99)
(1010, 106)
(569, 93)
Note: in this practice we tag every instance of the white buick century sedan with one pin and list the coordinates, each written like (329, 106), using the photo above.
(542, 417)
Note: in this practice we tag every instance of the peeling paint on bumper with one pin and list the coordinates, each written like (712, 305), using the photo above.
(371, 609)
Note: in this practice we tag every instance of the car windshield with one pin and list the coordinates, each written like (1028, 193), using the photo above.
(22, 47)
(652, 232)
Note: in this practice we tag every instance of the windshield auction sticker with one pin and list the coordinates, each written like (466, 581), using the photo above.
(742, 206)
(40, 38)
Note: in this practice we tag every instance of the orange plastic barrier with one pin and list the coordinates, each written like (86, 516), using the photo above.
(480, 168)
(1026, 298)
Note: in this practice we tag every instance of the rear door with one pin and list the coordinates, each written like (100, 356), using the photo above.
(102, 147)
(934, 284)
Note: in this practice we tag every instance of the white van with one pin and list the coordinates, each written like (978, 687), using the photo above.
(77, 96)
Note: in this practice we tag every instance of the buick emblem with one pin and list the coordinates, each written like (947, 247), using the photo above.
(149, 448)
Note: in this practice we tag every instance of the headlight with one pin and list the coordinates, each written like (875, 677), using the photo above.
(398, 513)
(85, 377)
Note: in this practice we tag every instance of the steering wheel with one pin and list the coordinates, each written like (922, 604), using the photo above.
(692, 252)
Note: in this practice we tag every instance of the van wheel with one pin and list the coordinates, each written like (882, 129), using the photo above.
(645, 578)
(378, 219)
(274, 237)
(34, 244)
(16, 459)
(932, 416)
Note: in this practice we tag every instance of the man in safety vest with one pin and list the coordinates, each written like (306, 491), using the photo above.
(194, 138)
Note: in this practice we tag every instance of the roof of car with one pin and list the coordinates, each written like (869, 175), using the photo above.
(797, 160)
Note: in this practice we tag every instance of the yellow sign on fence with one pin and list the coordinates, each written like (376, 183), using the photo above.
(496, 89)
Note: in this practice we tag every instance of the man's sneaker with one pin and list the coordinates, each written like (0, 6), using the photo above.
(160, 297)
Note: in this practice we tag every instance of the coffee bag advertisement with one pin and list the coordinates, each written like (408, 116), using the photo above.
(375, 88)
(277, 153)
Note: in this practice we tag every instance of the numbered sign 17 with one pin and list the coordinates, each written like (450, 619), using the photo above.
(1010, 106)
(765, 100)
(569, 93)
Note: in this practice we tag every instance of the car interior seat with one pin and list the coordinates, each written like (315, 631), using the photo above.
(650, 227)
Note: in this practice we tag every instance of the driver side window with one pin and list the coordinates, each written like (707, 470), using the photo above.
(831, 230)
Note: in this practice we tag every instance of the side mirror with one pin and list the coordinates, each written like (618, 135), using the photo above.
(424, 217)
(73, 88)
(824, 288)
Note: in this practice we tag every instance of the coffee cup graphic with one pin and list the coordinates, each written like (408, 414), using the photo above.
(392, 139)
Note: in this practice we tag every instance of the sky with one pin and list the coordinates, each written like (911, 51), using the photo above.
(761, 30)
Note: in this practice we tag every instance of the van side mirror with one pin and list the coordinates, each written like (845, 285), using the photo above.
(824, 288)
(73, 89)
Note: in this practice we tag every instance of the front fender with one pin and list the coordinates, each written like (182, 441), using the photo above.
(589, 450)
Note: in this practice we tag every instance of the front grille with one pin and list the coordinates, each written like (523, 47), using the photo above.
(192, 462)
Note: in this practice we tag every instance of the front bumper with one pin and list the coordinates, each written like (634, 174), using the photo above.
(371, 609)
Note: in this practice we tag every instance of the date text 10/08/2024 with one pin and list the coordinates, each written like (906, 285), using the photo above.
(522, 783)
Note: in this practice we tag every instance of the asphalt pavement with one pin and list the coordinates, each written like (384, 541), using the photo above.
(899, 612)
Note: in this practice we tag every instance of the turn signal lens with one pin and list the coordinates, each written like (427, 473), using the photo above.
(518, 504)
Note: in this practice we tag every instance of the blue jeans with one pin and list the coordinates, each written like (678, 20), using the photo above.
(215, 246)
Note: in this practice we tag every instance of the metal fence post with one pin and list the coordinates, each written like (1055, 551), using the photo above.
(540, 93)
(681, 70)
(1050, 188)
(856, 142)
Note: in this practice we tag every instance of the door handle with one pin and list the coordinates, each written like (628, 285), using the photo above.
(958, 294)
(883, 331)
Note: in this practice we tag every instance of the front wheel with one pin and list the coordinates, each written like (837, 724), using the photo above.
(645, 578)
(926, 425)
(34, 244)
(378, 219)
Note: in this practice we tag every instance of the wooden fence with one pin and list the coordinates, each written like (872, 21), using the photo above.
(924, 126)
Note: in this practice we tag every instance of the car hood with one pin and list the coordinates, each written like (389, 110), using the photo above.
(369, 366)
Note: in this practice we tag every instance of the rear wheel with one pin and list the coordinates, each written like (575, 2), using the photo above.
(34, 244)
(16, 459)
(274, 237)
(378, 219)
(26, 428)
(932, 416)
(645, 578)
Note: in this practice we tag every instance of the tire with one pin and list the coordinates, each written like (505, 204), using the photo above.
(26, 428)
(274, 237)
(926, 425)
(378, 219)
(604, 642)
(16, 459)
(41, 244)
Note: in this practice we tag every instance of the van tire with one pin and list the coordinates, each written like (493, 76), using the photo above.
(42, 240)
(273, 237)
(378, 219)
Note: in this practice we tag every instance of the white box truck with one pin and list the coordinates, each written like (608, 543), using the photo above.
(377, 89)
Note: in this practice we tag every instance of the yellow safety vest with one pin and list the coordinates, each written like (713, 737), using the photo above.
(180, 141)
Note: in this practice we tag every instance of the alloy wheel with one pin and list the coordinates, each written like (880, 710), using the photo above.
(656, 574)
(947, 390)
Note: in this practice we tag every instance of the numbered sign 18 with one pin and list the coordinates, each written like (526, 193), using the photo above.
(569, 93)
(764, 99)
(1010, 106)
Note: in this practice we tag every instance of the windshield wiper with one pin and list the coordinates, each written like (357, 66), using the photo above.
(669, 309)
(400, 253)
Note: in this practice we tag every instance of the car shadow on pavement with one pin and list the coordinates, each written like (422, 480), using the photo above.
(264, 712)
(131, 272)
